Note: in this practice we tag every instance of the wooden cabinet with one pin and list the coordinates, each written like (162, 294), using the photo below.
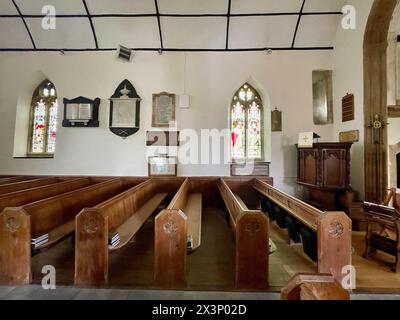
(325, 171)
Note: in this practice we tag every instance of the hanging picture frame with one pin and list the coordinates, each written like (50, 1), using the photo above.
(162, 166)
(125, 110)
(276, 120)
(163, 109)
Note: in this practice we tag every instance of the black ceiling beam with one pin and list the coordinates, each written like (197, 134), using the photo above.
(298, 23)
(169, 49)
(25, 24)
(159, 24)
(172, 15)
(228, 18)
(91, 23)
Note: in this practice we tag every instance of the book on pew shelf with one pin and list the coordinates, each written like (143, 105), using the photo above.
(113, 245)
(112, 236)
(190, 242)
(37, 242)
(113, 239)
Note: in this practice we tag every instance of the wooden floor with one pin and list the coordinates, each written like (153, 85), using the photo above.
(211, 267)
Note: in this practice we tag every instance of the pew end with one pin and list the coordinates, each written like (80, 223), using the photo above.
(314, 287)
(252, 251)
(91, 248)
(334, 243)
(15, 247)
(250, 229)
(171, 228)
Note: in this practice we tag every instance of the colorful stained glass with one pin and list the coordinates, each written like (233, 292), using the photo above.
(246, 126)
(254, 131)
(39, 127)
(44, 119)
(52, 127)
(238, 131)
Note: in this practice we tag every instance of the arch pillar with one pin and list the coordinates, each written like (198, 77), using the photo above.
(375, 98)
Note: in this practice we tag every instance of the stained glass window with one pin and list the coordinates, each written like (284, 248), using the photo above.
(246, 124)
(43, 129)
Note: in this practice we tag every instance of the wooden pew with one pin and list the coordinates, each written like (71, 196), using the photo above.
(250, 230)
(326, 236)
(52, 217)
(314, 287)
(19, 198)
(177, 227)
(23, 185)
(383, 231)
(122, 215)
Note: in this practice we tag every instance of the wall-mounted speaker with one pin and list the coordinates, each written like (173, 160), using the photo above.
(125, 54)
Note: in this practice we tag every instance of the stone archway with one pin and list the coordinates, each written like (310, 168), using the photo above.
(375, 98)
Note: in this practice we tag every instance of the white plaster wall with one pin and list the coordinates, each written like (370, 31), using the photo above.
(348, 78)
(283, 79)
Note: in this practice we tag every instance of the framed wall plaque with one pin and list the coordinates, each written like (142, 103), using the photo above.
(348, 108)
(349, 136)
(81, 112)
(163, 109)
(276, 120)
(162, 166)
(322, 97)
(125, 110)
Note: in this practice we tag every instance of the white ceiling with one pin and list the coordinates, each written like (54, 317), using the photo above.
(74, 30)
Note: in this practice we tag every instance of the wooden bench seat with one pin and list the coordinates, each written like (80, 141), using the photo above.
(58, 234)
(23, 185)
(121, 216)
(49, 218)
(250, 230)
(326, 236)
(131, 226)
(192, 210)
(177, 227)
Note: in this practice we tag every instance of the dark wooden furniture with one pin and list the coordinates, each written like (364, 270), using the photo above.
(383, 231)
(326, 236)
(325, 171)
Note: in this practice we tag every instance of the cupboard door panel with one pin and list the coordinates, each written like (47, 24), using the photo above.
(334, 168)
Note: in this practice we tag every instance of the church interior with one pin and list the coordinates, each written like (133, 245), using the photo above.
(179, 149)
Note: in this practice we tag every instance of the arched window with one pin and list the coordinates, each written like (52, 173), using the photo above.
(247, 124)
(43, 121)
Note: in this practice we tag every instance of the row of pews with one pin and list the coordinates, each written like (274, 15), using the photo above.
(105, 214)
(325, 236)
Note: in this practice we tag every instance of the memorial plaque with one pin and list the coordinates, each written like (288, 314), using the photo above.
(163, 109)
